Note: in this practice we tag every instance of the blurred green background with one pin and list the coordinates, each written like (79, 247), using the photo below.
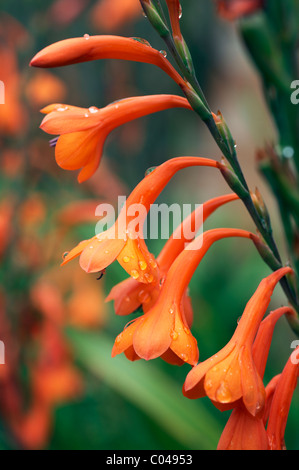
(140, 405)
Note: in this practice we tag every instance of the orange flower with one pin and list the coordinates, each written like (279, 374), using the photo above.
(44, 86)
(163, 330)
(121, 241)
(233, 9)
(244, 431)
(130, 294)
(231, 373)
(111, 15)
(83, 131)
(281, 403)
(87, 48)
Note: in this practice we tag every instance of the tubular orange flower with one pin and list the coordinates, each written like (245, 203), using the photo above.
(83, 131)
(130, 294)
(163, 330)
(233, 9)
(231, 373)
(87, 48)
(281, 403)
(110, 15)
(244, 431)
(120, 241)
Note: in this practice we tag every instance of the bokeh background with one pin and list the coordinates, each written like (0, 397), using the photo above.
(59, 388)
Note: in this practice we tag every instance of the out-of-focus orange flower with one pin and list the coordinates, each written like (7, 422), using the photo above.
(85, 307)
(87, 48)
(83, 132)
(163, 330)
(6, 228)
(32, 211)
(234, 9)
(47, 299)
(231, 373)
(12, 113)
(111, 15)
(281, 403)
(64, 12)
(43, 87)
(122, 241)
(244, 431)
(131, 294)
(32, 429)
(12, 162)
(12, 32)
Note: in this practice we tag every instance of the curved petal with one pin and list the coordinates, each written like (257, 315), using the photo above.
(152, 338)
(63, 119)
(100, 253)
(126, 296)
(138, 262)
(75, 150)
(253, 390)
(184, 345)
(124, 341)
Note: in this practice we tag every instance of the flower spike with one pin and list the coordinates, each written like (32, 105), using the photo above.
(83, 131)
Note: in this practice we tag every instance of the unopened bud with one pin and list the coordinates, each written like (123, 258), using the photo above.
(155, 18)
(266, 253)
(261, 208)
(232, 180)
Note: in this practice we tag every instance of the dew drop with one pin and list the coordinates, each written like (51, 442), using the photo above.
(149, 277)
(223, 393)
(134, 274)
(86, 115)
(164, 53)
(184, 357)
(171, 311)
(180, 12)
(142, 265)
(62, 108)
(174, 335)
(93, 110)
(186, 330)
(142, 41)
(106, 252)
(65, 255)
(86, 36)
(126, 259)
(144, 297)
(150, 170)
(118, 338)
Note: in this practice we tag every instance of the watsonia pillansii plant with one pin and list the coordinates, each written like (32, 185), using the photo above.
(158, 286)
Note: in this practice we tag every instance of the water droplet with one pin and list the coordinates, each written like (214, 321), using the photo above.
(86, 115)
(180, 12)
(65, 255)
(106, 252)
(153, 263)
(142, 265)
(164, 53)
(134, 274)
(118, 338)
(62, 108)
(127, 299)
(208, 384)
(149, 277)
(86, 36)
(93, 110)
(288, 152)
(186, 330)
(184, 357)
(171, 311)
(174, 335)
(142, 41)
(126, 259)
(144, 297)
(91, 247)
(150, 170)
(223, 393)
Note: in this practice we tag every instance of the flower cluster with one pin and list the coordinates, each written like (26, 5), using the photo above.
(158, 286)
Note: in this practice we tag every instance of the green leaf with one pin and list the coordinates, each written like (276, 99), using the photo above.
(149, 389)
